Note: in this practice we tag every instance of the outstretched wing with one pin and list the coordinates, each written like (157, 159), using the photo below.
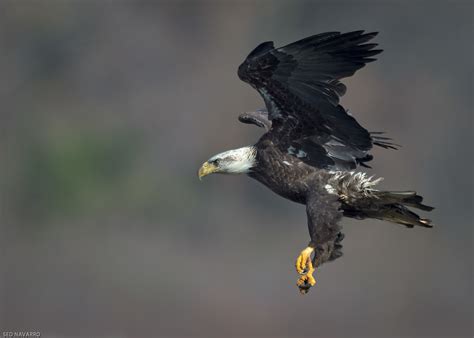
(300, 86)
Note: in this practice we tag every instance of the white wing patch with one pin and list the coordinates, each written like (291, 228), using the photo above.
(299, 154)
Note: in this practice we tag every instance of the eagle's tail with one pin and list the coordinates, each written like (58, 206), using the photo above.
(392, 207)
(361, 200)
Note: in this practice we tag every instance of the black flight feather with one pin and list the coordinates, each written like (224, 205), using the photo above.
(300, 85)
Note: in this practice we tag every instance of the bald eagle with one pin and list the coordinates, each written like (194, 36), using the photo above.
(312, 145)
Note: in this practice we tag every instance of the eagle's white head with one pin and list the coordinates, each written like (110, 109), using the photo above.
(236, 161)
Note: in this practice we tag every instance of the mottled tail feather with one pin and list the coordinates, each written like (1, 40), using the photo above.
(395, 209)
(407, 198)
(398, 213)
(427, 222)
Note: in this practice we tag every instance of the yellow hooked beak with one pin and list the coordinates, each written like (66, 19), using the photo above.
(206, 169)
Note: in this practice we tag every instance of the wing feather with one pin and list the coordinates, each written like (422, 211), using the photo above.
(300, 85)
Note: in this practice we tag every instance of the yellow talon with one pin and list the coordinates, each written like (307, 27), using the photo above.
(304, 266)
(304, 260)
(306, 281)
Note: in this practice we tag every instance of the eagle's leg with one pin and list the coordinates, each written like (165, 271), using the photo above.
(304, 266)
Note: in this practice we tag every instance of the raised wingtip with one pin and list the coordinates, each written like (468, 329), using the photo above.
(261, 49)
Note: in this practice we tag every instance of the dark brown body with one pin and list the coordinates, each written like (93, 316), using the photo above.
(285, 174)
(291, 178)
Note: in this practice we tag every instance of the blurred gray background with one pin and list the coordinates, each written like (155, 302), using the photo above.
(108, 108)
